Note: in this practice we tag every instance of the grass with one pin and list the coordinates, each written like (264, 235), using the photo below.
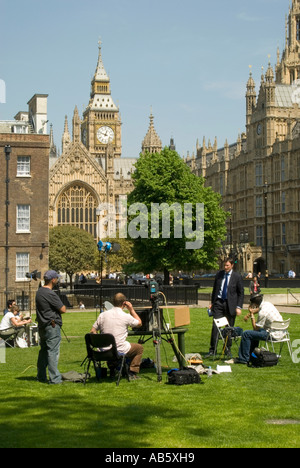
(229, 410)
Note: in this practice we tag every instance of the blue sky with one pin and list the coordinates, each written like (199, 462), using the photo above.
(188, 60)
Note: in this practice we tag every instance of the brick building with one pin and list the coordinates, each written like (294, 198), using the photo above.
(24, 238)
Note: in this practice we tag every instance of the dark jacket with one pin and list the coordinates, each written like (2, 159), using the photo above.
(235, 294)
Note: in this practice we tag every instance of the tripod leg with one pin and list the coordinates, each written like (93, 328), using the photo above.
(157, 343)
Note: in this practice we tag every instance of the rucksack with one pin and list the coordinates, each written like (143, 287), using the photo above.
(263, 358)
(185, 376)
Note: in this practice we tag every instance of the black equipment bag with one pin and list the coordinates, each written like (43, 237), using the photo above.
(185, 376)
(263, 358)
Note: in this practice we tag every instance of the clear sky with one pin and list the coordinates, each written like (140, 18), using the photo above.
(189, 60)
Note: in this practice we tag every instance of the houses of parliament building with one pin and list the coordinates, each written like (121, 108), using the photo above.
(258, 176)
(91, 173)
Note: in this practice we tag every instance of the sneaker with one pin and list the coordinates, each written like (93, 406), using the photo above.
(235, 361)
(133, 376)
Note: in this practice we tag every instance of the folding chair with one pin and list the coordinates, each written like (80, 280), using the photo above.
(281, 327)
(222, 324)
(103, 348)
(7, 338)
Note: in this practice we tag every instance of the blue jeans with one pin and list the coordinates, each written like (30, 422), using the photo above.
(250, 341)
(49, 354)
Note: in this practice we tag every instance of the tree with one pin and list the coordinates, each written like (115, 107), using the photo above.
(165, 178)
(71, 250)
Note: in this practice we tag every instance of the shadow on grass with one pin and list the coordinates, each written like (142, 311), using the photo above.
(48, 421)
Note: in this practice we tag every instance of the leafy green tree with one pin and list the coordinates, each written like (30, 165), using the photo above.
(165, 178)
(71, 250)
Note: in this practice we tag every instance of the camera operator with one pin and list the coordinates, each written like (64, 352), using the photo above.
(48, 313)
(267, 314)
(116, 322)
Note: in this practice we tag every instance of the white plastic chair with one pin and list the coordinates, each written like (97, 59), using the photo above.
(280, 327)
(221, 324)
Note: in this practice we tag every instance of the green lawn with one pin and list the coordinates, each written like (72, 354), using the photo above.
(229, 410)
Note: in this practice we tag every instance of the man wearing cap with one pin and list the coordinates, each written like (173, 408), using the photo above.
(48, 313)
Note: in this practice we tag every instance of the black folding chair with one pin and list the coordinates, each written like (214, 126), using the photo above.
(8, 338)
(102, 348)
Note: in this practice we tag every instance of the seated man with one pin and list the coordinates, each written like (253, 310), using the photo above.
(267, 313)
(11, 324)
(116, 323)
(9, 305)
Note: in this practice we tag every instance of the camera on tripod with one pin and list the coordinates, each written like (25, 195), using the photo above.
(153, 286)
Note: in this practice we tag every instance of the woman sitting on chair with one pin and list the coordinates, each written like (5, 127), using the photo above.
(11, 324)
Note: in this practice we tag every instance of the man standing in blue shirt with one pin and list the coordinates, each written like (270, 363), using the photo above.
(227, 298)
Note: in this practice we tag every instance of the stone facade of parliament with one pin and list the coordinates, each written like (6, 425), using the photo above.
(91, 173)
(259, 175)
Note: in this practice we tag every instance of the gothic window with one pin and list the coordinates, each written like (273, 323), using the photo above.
(77, 207)
(259, 205)
(259, 175)
(259, 236)
(298, 29)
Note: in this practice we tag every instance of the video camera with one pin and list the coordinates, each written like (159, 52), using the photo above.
(35, 275)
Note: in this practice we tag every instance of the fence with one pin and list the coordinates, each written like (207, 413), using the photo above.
(91, 296)
(137, 295)
(25, 299)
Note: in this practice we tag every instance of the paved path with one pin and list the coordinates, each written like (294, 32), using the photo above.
(282, 308)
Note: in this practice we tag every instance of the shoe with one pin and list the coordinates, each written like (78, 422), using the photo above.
(235, 361)
(133, 376)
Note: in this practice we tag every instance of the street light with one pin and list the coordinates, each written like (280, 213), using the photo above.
(7, 151)
(266, 231)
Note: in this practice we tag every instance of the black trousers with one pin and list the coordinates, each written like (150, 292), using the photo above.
(220, 310)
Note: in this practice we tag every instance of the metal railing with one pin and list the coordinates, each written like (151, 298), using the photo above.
(93, 296)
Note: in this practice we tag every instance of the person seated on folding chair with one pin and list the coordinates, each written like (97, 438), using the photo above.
(267, 314)
(9, 304)
(13, 325)
(116, 322)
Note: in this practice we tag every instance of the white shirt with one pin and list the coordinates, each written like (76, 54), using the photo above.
(6, 323)
(116, 322)
(266, 316)
(223, 282)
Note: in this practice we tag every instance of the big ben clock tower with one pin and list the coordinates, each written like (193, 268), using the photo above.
(101, 124)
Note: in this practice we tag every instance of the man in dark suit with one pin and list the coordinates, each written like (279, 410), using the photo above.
(227, 298)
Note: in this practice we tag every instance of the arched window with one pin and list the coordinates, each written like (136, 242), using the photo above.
(77, 207)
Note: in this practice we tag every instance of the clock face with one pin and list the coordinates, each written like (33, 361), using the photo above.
(105, 135)
(259, 129)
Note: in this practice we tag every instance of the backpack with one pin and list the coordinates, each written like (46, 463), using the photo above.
(263, 358)
(185, 376)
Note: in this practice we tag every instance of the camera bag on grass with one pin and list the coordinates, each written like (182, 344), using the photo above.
(74, 376)
(263, 358)
(185, 376)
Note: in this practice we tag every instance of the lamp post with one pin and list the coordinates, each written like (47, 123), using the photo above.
(230, 227)
(266, 231)
(7, 151)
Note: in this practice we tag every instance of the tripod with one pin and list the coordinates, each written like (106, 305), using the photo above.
(159, 321)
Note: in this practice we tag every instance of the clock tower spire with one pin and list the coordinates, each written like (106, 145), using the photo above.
(101, 119)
